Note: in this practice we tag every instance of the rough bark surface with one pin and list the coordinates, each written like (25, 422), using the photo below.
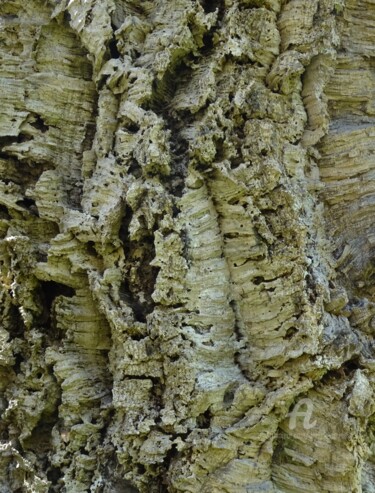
(187, 253)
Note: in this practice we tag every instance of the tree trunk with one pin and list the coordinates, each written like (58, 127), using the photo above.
(187, 268)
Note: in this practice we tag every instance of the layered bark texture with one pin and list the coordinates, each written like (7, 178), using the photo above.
(187, 246)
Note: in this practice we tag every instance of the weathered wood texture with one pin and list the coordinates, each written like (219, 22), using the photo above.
(187, 246)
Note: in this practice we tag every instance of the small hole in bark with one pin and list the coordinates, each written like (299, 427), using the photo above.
(135, 169)
(350, 366)
(48, 291)
(88, 18)
(137, 337)
(332, 374)
(39, 124)
(4, 213)
(235, 162)
(127, 296)
(171, 454)
(54, 474)
(228, 397)
(4, 435)
(204, 419)
(132, 128)
(258, 280)
(17, 326)
(19, 359)
(208, 43)
(90, 245)
(346, 370)
(178, 305)
(175, 210)
(41, 257)
(291, 332)
(112, 45)
(210, 5)
(28, 204)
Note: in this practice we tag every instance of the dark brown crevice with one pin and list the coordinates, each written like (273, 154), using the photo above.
(18, 360)
(228, 397)
(350, 366)
(135, 169)
(139, 276)
(48, 291)
(239, 338)
(54, 474)
(204, 419)
(170, 456)
(4, 212)
(163, 93)
(40, 440)
(345, 372)
(4, 142)
(290, 333)
(112, 47)
(212, 5)
(39, 124)
(90, 131)
(140, 310)
(16, 326)
(67, 17)
(29, 205)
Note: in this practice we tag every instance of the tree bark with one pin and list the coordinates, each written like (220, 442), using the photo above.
(187, 239)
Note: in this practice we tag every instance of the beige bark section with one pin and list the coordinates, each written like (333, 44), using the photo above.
(186, 197)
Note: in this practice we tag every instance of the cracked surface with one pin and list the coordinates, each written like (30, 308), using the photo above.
(186, 198)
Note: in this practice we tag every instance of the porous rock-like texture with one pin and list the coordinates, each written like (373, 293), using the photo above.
(187, 246)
